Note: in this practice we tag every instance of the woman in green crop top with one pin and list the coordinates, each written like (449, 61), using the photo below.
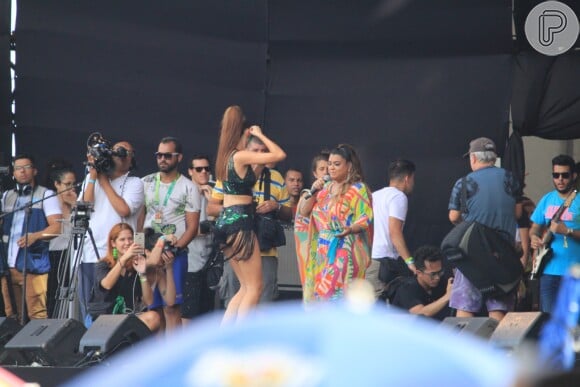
(235, 225)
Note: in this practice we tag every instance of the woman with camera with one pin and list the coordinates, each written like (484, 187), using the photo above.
(339, 235)
(234, 230)
(116, 289)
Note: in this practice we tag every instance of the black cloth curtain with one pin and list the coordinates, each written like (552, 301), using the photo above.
(5, 86)
(414, 79)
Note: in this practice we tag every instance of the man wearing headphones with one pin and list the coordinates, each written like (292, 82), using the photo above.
(116, 197)
(27, 240)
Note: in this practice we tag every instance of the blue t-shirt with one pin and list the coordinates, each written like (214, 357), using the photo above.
(490, 198)
(563, 256)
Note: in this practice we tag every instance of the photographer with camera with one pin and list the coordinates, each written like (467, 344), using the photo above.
(116, 197)
(172, 206)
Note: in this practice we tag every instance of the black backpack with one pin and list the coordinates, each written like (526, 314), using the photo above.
(486, 256)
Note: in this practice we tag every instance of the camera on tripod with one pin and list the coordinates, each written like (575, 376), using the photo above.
(100, 149)
(80, 217)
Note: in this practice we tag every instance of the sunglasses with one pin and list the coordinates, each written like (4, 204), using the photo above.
(199, 169)
(564, 175)
(434, 274)
(166, 156)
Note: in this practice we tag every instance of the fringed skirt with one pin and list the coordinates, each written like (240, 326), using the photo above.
(234, 228)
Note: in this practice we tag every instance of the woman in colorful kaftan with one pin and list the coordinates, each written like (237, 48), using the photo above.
(335, 248)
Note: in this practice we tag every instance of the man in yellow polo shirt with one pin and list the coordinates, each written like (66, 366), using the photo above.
(279, 202)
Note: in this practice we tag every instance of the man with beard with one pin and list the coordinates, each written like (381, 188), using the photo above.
(565, 242)
(172, 206)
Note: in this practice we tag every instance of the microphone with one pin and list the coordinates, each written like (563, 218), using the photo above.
(311, 192)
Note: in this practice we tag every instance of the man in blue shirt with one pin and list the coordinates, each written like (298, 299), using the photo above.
(490, 200)
(565, 243)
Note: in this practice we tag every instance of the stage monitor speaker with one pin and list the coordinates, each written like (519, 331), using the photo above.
(48, 342)
(517, 327)
(112, 332)
(481, 327)
(8, 328)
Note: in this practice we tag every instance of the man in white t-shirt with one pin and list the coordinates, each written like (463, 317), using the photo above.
(391, 256)
(172, 206)
(29, 236)
(116, 197)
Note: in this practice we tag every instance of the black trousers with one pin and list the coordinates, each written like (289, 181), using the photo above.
(392, 268)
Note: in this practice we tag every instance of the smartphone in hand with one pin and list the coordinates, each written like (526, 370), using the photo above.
(139, 239)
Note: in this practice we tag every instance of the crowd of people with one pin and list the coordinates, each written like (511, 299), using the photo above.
(343, 232)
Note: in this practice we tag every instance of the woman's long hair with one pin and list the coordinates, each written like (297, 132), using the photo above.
(113, 235)
(355, 175)
(231, 131)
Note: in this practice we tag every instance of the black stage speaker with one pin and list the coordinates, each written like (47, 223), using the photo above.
(516, 327)
(8, 328)
(481, 327)
(112, 332)
(48, 342)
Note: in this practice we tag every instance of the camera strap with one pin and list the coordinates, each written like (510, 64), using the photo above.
(265, 179)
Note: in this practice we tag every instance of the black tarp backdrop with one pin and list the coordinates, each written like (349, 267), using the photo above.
(407, 79)
(5, 84)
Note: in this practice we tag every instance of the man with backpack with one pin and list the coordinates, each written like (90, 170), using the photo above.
(489, 198)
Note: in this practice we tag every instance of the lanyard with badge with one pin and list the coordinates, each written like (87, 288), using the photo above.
(158, 218)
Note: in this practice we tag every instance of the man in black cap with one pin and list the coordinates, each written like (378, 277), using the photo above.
(490, 200)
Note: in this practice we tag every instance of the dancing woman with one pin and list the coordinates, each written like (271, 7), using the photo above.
(339, 234)
(235, 224)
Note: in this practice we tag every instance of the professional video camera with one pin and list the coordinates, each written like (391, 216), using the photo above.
(100, 149)
(80, 216)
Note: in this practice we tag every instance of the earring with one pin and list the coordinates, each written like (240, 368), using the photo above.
(115, 253)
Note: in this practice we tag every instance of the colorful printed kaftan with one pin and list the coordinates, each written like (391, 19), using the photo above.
(327, 263)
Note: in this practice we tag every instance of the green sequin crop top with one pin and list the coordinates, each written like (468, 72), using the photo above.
(235, 185)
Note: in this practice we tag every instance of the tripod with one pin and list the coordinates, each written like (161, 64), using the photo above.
(69, 266)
